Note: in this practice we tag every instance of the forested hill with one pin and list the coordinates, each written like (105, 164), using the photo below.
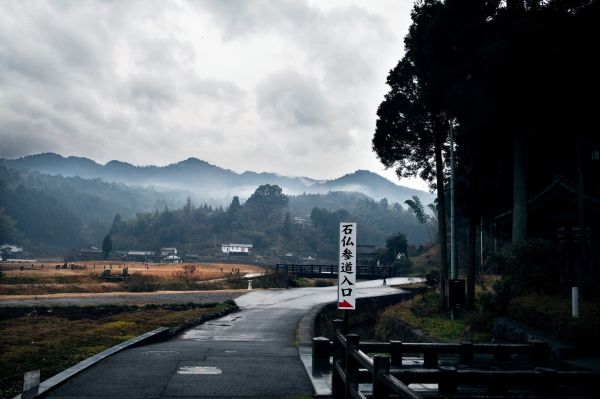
(274, 223)
(208, 181)
(52, 215)
(49, 214)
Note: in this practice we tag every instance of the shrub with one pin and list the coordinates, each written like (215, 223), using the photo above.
(321, 282)
(432, 278)
(530, 267)
(188, 273)
(230, 302)
(138, 282)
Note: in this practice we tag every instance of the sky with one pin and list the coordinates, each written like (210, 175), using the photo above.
(284, 86)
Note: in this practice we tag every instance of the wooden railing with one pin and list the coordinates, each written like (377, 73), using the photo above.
(350, 365)
(353, 366)
(332, 270)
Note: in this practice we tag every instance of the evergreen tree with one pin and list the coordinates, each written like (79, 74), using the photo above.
(107, 246)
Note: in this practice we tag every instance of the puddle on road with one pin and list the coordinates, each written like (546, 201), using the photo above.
(199, 370)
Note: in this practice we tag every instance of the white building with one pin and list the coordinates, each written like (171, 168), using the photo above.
(164, 252)
(172, 259)
(236, 249)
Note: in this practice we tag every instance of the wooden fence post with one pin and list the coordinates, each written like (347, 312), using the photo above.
(539, 353)
(396, 352)
(353, 341)
(466, 353)
(547, 382)
(430, 359)
(501, 354)
(337, 384)
(447, 383)
(381, 365)
(320, 354)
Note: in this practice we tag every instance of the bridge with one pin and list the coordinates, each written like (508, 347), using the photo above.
(331, 271)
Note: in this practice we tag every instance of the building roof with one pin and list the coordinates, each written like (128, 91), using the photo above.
(238, 245)
(140, 253)
(559, 188)
(90, 251)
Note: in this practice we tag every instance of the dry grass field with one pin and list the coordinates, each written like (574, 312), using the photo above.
(53, 339)
(45, 278)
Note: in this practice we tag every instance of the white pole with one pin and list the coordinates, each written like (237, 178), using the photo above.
(481, 246)
(453, 254)
(575, 302)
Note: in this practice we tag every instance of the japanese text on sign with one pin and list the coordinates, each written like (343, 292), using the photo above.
(347, 267)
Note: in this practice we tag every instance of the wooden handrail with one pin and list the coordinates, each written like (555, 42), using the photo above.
(352, 366)
(395, 385)
(357, 365)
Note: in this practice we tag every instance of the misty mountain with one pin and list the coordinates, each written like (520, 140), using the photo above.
(210, 182)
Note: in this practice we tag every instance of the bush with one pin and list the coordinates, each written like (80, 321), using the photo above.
(188, 273)
(230, 302)
(321, 282)
(138, 282)
(530, 267)
(432, 278)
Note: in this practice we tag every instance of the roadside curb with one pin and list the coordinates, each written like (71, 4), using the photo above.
(159, 334)
(306, 332)
(194, 322)
(63, 376)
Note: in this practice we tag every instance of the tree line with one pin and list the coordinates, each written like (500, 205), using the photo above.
(514, 82)
(276, 224)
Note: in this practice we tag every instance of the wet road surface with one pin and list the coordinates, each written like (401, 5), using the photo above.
(250, 353)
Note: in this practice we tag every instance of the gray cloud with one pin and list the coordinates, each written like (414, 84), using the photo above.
(261, 85)
(292, 101)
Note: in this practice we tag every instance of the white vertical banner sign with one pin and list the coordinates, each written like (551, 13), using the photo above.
(347, 267)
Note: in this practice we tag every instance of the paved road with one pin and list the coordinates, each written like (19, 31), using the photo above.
(120, 298)
(250, 353)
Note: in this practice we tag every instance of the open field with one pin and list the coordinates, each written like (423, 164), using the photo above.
(55, 338)
(41, 278)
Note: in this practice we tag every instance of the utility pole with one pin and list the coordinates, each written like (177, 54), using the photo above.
(453, 252)
(481, 246)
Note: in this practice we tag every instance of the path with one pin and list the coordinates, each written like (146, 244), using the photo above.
(250, 353)
(120, 298)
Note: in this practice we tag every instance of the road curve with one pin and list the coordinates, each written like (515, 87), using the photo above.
(250, 353)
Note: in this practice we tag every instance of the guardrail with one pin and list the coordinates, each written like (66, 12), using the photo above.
(353, 366)
(350, 365)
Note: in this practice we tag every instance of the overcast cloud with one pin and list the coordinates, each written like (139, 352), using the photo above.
(285, 86)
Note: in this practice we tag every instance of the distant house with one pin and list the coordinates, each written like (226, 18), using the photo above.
(301, 221)
(140, 256)
(236, 249)
(169, 255)
(9, 251)
(89, 254)
(167, 251)
(171, 259)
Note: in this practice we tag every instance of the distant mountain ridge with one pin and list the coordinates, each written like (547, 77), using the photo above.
(210, 180)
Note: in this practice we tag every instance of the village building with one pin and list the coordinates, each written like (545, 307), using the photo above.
(169, 255)
(92, 253)
(167, 251)
(237, 249)
(9, 251)
(140, 256)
